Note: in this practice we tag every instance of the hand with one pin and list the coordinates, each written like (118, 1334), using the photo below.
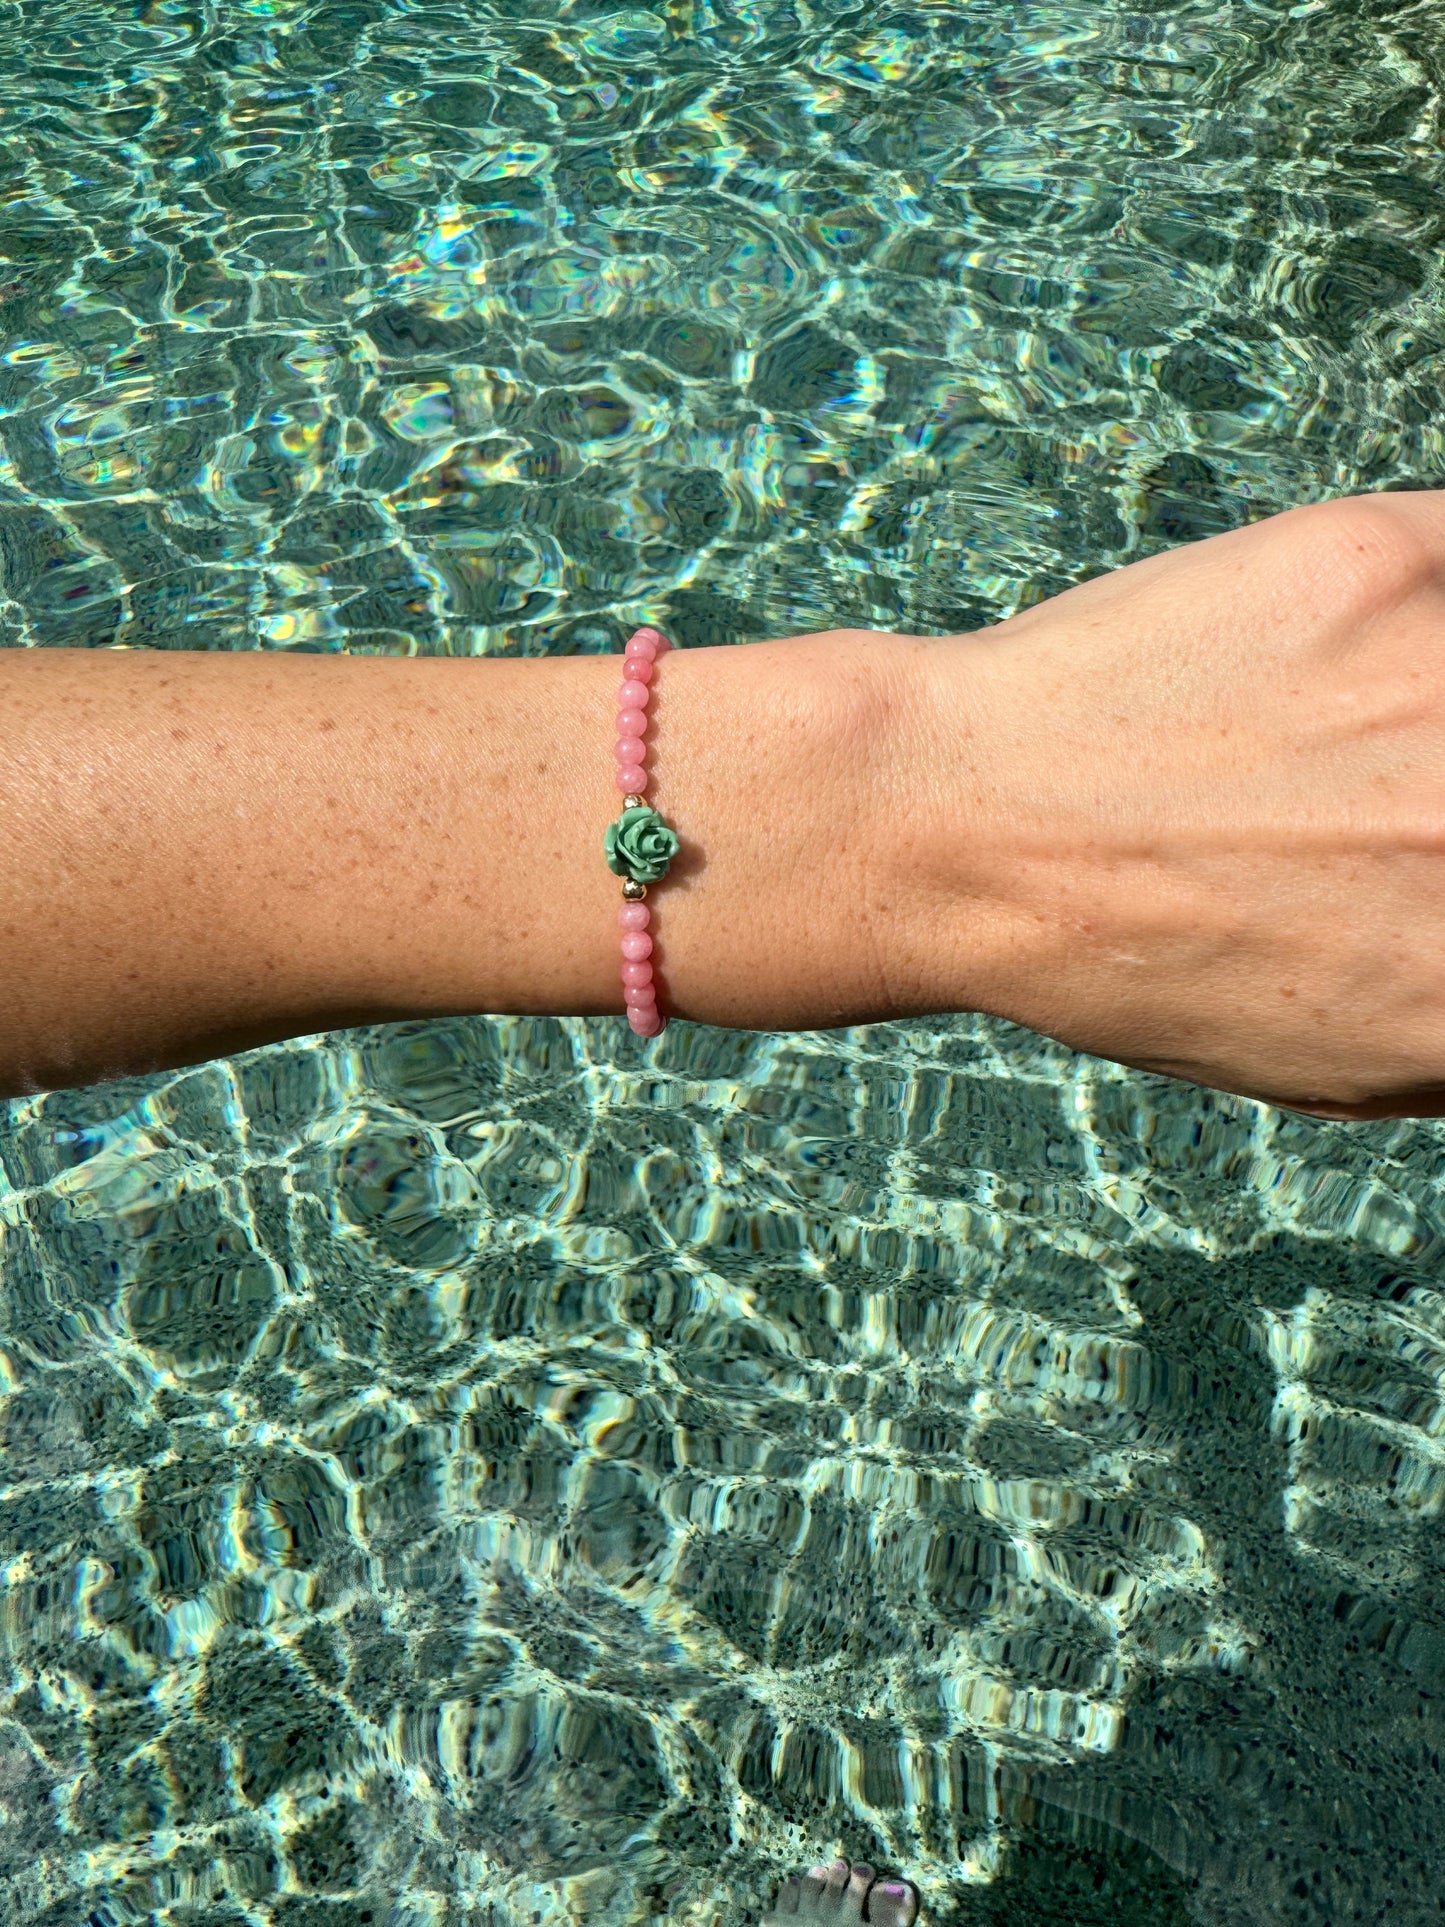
(1191, 815)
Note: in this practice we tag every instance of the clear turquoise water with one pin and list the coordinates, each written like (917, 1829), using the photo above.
(490, 1472)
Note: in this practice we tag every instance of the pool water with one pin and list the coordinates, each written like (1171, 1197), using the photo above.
(496, 1473)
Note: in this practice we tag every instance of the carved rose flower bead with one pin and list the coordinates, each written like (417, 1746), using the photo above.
(640, 845)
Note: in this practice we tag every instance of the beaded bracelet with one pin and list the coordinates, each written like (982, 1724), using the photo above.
(639, 845)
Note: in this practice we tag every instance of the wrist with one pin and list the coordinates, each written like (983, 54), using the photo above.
(865, 833)
(773, 763)
(969, 904)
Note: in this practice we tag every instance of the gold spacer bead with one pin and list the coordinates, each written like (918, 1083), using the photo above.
(631, 802)
(633, 890)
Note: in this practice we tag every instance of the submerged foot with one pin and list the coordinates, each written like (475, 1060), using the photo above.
(842, 1896)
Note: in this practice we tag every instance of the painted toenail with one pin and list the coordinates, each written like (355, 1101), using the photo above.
(895, 1889)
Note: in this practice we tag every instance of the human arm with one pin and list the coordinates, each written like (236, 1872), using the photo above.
(204, 852)
(1189, 816)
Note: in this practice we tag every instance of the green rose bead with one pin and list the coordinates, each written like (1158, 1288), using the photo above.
(640, 845)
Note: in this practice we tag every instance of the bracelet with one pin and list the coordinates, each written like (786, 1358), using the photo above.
(639, 845)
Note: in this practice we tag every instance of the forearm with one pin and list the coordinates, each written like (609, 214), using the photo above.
(204, 852)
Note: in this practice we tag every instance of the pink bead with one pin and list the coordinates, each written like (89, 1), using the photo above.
(643, 648)
(646, 1023)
